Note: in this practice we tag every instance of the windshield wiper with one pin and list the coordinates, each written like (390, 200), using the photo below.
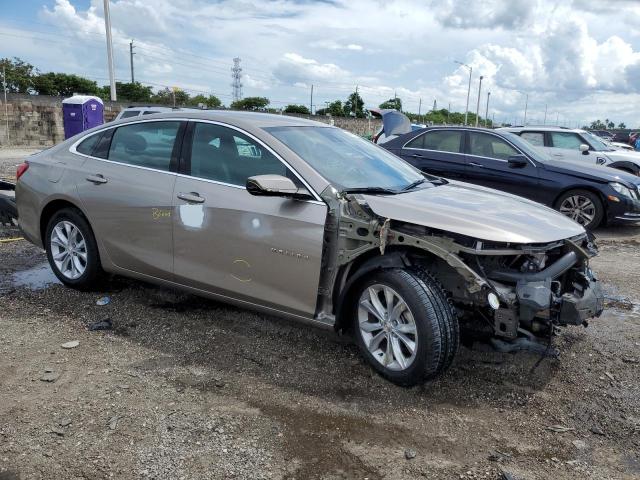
(433, 181)
(387, 191)
(414, 184)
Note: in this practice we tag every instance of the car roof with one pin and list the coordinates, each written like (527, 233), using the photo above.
(240, 119)
(541, 128)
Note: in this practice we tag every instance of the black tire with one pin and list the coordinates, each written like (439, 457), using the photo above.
(595, 200)
(93, 271)
(437, 331)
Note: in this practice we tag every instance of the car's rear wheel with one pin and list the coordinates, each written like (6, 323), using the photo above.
(404, 326)
(71, 249)
(581, 206)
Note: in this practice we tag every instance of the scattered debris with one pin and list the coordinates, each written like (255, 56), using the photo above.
(103, 301)
(597, 430)
(65, 422)
(611, 377)
(71, 344)
(105, 324)
(580, 444)
(50, 377)
(507, 476)
(58, 431)
(498, 456)
(560, 428)
(113, 422)
(410, 453)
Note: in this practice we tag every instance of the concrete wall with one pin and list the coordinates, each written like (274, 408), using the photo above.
(36, 120)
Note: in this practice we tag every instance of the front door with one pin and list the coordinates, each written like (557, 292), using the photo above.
(261, 250)
(128, 195)
(487, 165)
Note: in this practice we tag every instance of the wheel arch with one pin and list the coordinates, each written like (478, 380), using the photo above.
(50, 209)
(354, 272)
(626, 166)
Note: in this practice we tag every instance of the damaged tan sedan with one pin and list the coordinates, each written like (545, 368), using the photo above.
(297, 218)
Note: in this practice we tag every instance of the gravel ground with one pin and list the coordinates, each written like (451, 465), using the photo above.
(183, 387)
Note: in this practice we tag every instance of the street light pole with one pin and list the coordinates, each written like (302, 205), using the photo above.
(526, 104)
(478, 105)
(486, 112)
(545, 114)
(107, 27)
(131, 54)
(466, 112)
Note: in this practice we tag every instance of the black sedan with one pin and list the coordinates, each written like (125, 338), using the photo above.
(590, 195)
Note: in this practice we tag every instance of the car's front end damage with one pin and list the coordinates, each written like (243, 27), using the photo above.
(513, 294)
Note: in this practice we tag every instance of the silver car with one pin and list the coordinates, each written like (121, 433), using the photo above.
(297, 218)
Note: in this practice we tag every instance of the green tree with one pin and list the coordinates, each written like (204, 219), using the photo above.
(63, 85)
(354, 105)
(296, 109)
(211, 101)
(134, 92)
(622, 125)
(393, 103)
(166, 96)
(598, 125)
(250, 103)
(19, 75)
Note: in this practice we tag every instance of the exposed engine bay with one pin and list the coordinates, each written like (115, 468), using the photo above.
(512, 294)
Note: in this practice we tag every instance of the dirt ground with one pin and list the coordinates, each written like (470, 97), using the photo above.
(187, 388)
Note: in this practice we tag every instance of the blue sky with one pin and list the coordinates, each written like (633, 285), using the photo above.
(579, 59)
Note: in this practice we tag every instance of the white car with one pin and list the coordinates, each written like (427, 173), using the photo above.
(578, 146)
(148, 110)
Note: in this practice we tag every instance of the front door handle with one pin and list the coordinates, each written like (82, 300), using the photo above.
(191, 197)
(97, 179)
(473, 164)
(416, 155)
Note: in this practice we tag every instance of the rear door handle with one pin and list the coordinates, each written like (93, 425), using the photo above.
(97, 179)
(416, 155)
(473, 164)
(191, 197)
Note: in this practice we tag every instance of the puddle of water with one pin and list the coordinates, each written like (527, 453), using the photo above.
(36, 278)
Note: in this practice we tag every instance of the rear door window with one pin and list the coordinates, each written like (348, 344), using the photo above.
(534, 138)
(490, 146)
(148, 144)
(439, 140)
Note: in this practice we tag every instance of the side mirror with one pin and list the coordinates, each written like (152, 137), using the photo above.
(274, 186)
(517, 161)
(584, 148)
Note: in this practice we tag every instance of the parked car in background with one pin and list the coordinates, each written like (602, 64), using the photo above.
(588, 194)
(394, 123)
(604, 134)
(577, 145)
(130, 112)
(301, 219)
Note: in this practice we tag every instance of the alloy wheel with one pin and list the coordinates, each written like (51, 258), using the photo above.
(68, 249)
(387, 327)
(579, 209)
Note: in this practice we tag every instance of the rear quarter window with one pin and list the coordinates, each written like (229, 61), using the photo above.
(88, 145)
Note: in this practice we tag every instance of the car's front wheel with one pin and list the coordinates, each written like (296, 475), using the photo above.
(583, 207)
(71, 249)
(404, 326)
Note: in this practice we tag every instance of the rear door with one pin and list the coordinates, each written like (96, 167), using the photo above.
(260, 250)
(438, 152)
(487, 160)
(126, 188)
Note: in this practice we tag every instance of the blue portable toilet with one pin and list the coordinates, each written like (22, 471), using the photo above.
(80, 113)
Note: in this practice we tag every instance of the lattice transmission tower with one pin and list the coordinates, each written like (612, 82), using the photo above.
(236, 75)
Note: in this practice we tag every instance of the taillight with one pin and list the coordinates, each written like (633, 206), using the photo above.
(23, 167)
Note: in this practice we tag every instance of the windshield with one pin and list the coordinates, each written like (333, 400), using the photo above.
(526, 147)
(596, 142)
(346, 160)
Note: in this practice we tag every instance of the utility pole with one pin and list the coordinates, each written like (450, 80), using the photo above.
(486, 112)
(6, 107)
(466, 111)
(311, 102)
(557, 115)
(526, 104)
(131, 60)
(107, 27)
(419, 109)
(448, 113)
(478, 105)
(545, 114)
(395, 100)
